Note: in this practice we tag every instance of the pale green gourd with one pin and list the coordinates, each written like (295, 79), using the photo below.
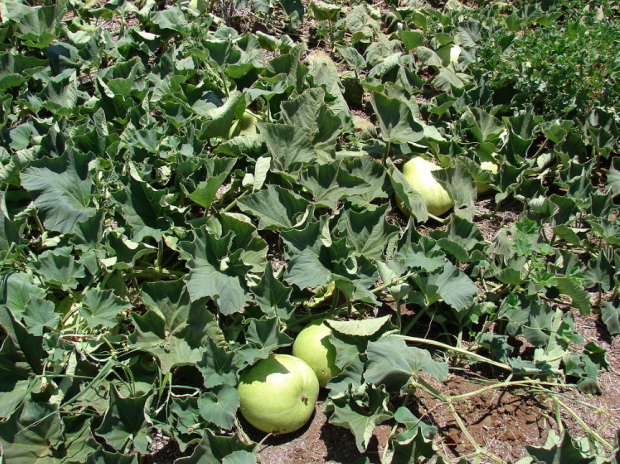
(419, 174)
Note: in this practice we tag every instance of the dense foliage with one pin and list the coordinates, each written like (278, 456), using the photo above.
(180, 198)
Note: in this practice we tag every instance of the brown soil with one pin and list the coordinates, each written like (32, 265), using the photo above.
(317, 442)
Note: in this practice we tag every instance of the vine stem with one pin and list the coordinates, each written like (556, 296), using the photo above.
(393, 282)
(386, 153)
(515, 383)
(438, 219)
(471, 439)
(558, 416)
(585, 426)
(449, 400)
(415, 319)
(153, 273)
(456, 350)
(244, 436)
(234, 203)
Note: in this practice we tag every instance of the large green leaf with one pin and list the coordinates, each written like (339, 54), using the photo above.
(369, 231)
(538, 328)
(219, 120)
(104, 457)
(39, 27)
(79, 441)
(416, 442)
(217, 366)
(613, 176)
(412, 39)
(600, 273)
(369, 327)
(263, 337)
(308, 269)
(240, 457)
(316, 261)
(330, 183)
(485, 127)
(102, 308)
(150, 336)
(245, 238)
(325, 74)
(322, 11)
(463, 240)
(392, 363)
(273, 297)
(40, 314)
(610, 314)
(361, 410)
(27, 349)
(219, 406)
(16, 377)
(59, 268)
(184, 419)
(217, 172)
(417, 251)
(216, 271)
(61, 188)
(143, 209)
(276, 208)
(205, 280)
(455, 287)
(213, 449)
(565, 451)
(124, 425)
(31, 433)
(411, 198)
(352, 57)
(395, 120)
(309, 112)
(374, 173)
(581, 298)
(11, 232)
(190, 321)
(60, 95)
(289, 146)
(461, 186)
(169, 21)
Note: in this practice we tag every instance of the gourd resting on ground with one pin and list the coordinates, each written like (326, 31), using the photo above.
(278, 394)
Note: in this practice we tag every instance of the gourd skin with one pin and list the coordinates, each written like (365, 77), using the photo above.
(481, 187)
(246, 125)
(418, 173)
(313, 346)
(278, 394)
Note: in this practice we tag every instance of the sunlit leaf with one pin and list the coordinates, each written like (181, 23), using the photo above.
(392, 363)
(61, 188)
